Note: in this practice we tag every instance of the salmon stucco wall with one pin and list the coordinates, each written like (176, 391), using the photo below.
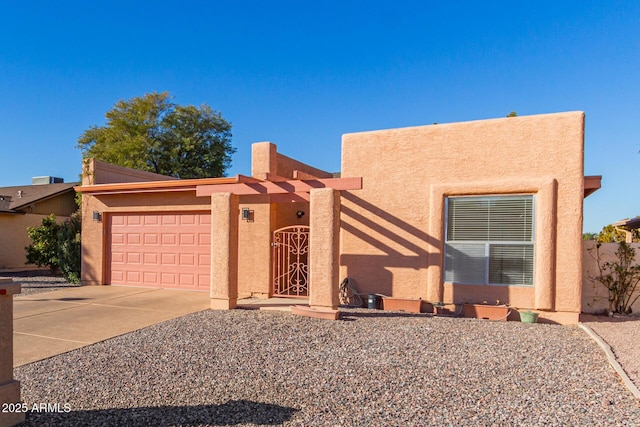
(14, 238)
(265, 159)
(392, 236)
(594, 294)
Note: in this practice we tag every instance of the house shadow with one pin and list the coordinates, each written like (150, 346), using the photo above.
(399, 244)
(233, 412)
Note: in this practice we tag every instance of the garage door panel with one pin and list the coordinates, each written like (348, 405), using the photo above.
(168, 279)
(151, 258)
(168, 259)
(169, 220)
(117, 275)
(151, 239)
(203, 280)
(134, 258)
(187, 220)
(187, 260)
(160, 250)
(133, 277)
(117, 257)
(117, 238)
(133, 220)
(187, 239)
(187, 280)
(151, 219)
(204, 260)
(150, 277)
(169, 239)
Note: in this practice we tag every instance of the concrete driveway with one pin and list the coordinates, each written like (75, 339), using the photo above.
(51, 323)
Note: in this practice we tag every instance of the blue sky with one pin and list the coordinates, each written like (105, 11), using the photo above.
(301, 74)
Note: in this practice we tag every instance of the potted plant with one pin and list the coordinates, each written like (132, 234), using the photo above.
(528, 316)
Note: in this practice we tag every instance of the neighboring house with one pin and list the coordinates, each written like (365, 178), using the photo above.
(628, 226)
(25, 206)
(464, 212)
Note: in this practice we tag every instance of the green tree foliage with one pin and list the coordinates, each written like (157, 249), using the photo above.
(610, 234)
(153, 134)
(512, 114)
(620, 277)
(69, 247)
(589, 236)
(43, 250)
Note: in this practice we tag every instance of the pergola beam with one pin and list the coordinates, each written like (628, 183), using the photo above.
(283, 187)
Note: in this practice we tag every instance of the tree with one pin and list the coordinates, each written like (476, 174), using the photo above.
(512, 114)
(153, 134)
(611, 234)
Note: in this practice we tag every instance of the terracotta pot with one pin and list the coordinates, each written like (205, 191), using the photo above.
(401, 304)
(486, 311)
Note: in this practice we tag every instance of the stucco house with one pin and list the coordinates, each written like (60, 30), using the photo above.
(462, 212)
(24, 206)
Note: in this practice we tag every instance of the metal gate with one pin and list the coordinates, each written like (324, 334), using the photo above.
(291, 261)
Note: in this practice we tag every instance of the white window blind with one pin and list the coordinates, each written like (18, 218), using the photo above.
(489, 240)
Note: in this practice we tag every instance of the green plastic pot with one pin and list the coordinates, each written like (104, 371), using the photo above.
(528, 317)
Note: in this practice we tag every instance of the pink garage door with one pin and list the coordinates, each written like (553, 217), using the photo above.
(168, 250)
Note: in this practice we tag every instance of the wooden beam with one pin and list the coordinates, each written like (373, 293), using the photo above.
(293, 186)
(289, 198)
(303, 175)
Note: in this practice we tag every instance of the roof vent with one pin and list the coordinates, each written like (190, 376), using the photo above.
(41, 180)
(20, 192)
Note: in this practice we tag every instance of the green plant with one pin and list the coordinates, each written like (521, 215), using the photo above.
(43, 251)
(620, 277)
(69, 247)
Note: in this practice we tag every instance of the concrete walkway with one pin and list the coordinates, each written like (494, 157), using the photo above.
(51, 323)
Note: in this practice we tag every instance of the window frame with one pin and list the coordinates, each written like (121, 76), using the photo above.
(488, 243)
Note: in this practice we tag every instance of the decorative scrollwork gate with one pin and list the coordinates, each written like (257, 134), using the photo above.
(291, 261)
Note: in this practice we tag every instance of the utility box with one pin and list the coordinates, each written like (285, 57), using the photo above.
(42, 180)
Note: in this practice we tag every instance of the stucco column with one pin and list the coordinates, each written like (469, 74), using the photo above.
(9, 388)
(545, 266)
(324, 248)
(224, 251)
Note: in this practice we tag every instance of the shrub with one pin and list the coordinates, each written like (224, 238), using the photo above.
(57, 246)
(69, 248)
(620, 277)
(43, 251)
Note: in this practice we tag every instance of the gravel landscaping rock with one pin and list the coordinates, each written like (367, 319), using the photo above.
(242, 367)
(622, 333)
(37, 281)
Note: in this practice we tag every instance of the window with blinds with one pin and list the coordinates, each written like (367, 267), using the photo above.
(489, 240)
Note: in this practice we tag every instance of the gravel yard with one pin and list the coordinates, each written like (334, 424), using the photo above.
(622, 333)
(244, 367)
(37, 281)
